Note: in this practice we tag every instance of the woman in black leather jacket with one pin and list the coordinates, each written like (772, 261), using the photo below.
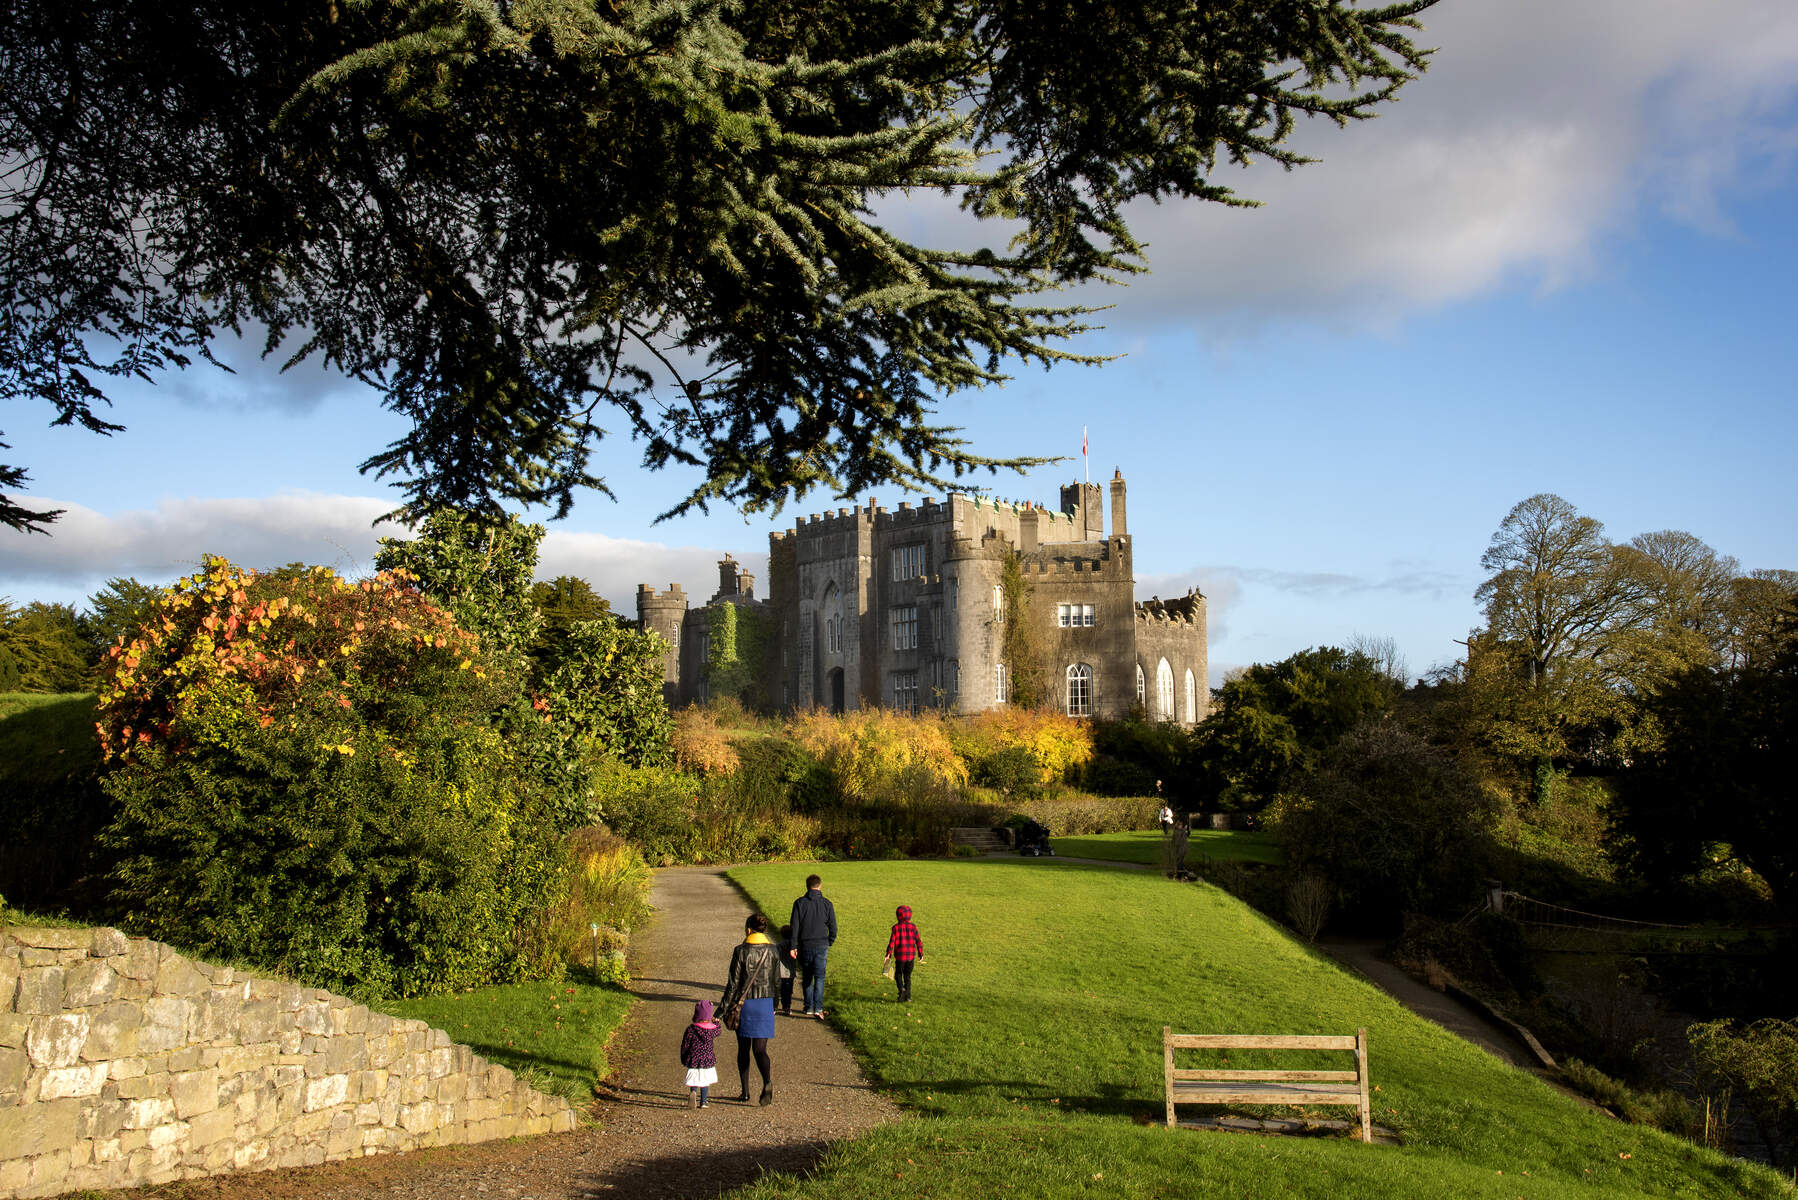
(754, 980)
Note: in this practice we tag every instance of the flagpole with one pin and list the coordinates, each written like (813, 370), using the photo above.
(1084, 456)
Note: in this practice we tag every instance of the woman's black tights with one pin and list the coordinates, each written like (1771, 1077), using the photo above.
(758, 1046)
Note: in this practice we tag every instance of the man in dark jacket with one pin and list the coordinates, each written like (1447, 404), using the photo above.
(814, 932)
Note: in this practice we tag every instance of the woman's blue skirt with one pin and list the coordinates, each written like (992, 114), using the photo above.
(758, 1018)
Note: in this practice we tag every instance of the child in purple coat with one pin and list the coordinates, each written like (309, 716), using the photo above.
(697, 1055)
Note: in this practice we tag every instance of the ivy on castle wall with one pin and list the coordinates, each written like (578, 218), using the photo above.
(742, 638)
(1020, 645)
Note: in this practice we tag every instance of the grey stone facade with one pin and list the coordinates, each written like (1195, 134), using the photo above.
(902, 609)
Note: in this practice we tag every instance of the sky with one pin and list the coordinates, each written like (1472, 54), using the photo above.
(1565, 262)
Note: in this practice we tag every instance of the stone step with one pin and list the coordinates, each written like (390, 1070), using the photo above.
(979, 838)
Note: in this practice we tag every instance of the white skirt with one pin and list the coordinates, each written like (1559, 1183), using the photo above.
(702, 1076)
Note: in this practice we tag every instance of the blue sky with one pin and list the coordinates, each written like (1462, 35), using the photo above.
(1565, 262)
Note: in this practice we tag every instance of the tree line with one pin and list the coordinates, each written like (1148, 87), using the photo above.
(1657, 669)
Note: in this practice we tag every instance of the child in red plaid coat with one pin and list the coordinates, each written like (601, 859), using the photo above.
(904, 947)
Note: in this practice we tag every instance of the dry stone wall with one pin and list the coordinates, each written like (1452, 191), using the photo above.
(125, 1063)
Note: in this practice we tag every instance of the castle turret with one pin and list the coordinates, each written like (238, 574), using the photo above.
(663, 613)
(1119, 528)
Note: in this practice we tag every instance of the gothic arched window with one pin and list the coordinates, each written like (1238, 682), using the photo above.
(1080, 690)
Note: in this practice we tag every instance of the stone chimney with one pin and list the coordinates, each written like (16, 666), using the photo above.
(1119, 528)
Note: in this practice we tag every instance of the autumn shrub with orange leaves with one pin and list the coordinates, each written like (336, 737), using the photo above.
(327, 777)
(700, 744)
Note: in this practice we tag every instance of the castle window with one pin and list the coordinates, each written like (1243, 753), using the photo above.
(1001, 692)
(833, 620)
(1074, 616)
(908, 562)
(954, 677)
(905, 628)
(1192, 699)
(1142, 700)
(905, 690)
(936, 683)
(1164, 692)
(998, 602)
(1080, 690)
(954, 593)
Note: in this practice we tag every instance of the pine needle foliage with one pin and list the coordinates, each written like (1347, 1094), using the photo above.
(533, 224)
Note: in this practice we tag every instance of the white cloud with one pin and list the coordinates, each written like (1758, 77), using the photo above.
(615, 566)
(157, 545)
(160, 544)
(1541, 129)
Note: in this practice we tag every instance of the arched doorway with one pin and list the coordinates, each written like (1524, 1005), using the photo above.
(833, 687)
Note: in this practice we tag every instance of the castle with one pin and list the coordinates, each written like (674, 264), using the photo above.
(908, 609)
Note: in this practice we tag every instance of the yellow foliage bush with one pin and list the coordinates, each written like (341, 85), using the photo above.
(700, 744)
(882, 757)
(1060, 744)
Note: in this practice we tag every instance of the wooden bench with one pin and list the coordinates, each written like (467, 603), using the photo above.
(1208, 1085)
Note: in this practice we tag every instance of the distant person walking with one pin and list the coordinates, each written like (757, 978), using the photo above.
(814, 932)
(1167, 819)
(905, 946)
(698, 1056)
(752, 982)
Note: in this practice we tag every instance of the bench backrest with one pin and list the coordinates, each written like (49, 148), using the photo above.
(1355, 1092)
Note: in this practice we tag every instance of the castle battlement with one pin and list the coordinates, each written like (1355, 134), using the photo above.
(1056, 526)
(1064, 566)
(648, 595)
(1186, 610)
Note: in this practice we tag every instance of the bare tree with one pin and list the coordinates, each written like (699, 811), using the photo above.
(1382, 652)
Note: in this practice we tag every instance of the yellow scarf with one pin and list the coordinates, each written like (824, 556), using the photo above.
(757, 939)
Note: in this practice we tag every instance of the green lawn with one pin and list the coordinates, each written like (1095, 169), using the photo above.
(18, 702)
(1031, 1054)
(553, 1034)
(1148, 846)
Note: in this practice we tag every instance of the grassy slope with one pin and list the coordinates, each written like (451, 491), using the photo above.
(1148, 846)
(1033, 1051)
(18, 702)
(553, 1033)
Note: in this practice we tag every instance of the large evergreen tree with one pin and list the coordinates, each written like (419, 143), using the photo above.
(530, 223)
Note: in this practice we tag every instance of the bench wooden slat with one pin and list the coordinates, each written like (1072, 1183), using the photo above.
(1247, 1092)
(1235, 1086)
(1201, 1073)
(1262, 1041)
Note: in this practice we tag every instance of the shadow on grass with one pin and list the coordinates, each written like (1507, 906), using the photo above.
(1111, 1100)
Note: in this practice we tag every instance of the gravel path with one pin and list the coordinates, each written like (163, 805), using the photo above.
(647, 1143)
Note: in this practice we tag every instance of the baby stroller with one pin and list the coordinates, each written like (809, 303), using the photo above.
(1033, 840)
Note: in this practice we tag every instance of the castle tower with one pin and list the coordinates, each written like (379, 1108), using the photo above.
(663, 613)
(1118, 526)
(1081, 501)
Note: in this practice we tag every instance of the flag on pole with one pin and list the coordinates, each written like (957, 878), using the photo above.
(1086, 460)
